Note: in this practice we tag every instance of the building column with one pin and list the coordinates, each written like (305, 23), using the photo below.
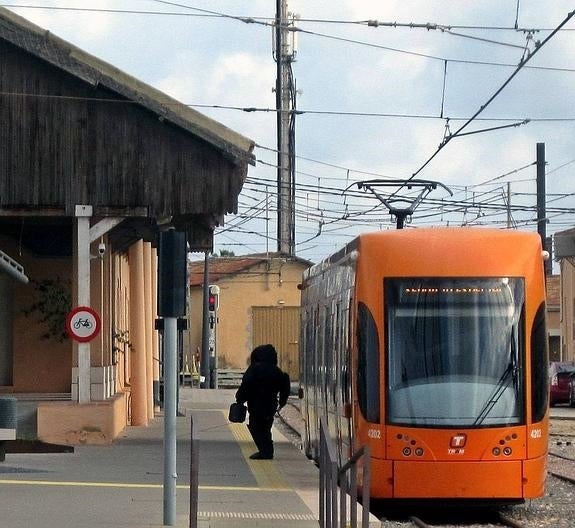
(138, 335)
(155, 336)
(149, 327)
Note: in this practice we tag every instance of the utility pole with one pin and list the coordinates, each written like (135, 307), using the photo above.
(509, 220)
(284, 54)
(541, 211)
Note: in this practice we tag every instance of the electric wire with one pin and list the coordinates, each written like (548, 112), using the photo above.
(371, 23)
(428, 55)
(521, 64)
(296, 112)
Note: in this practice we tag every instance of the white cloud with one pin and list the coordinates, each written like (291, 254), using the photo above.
(237, 79)
(241, 77)
(75, 25)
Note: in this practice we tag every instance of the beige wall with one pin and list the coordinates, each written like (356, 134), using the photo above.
(567, 310)
(553, 320)
(260, 285)
(40, 364)
(72, 423)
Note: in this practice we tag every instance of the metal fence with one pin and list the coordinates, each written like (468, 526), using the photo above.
(333, 507)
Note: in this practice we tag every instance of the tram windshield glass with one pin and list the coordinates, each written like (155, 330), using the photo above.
(454, 351)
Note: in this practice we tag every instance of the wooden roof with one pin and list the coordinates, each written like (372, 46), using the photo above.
(96, 72)
(78, 131)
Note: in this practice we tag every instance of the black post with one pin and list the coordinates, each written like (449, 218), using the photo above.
(205, 355)
(172, 278)
(541, 210)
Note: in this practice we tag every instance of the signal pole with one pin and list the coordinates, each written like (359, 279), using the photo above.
(205, 381)
(284, 54)
(541, 210)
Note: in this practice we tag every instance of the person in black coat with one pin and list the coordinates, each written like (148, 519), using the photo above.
(265, 387)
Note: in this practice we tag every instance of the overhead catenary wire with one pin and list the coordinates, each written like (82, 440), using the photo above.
(521, 64)
(336, 191)
(252, 109)
(448, 206)
(371, 23)
(269, 22)
(425, 55)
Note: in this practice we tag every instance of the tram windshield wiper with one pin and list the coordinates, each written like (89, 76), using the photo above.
(509, 374)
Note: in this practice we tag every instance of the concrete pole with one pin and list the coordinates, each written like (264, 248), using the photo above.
(83, 215)
(285, 227)
(137, 335)
(170, 410)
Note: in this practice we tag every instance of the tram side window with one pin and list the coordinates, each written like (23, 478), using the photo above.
(328, 354)
(367, 364)
(539, 365)
(345, 348)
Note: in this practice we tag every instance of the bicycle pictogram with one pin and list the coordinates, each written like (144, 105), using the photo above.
(82, 323)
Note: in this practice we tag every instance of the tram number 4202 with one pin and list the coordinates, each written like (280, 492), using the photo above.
(536, 433)
(374, 433)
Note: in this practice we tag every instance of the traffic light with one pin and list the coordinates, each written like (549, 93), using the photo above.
(172, 275)
(213, 298)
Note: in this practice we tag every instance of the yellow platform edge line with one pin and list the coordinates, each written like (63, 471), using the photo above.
(8, 482)
(264, 471)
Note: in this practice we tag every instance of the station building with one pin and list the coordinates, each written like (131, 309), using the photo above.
(94, 164)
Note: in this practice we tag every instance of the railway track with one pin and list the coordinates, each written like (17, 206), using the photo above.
(562, 466)
(491, 519)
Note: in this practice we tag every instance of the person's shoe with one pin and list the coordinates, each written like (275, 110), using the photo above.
(261, 456)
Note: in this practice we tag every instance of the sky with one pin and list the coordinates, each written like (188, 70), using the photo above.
(376, 101)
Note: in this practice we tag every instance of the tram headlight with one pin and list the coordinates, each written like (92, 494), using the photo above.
(406, 451)
(507, 451)
(496, 451)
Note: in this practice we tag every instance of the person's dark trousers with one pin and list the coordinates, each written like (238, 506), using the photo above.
(260, 428)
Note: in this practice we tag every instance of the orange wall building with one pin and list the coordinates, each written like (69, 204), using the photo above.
(259, 303)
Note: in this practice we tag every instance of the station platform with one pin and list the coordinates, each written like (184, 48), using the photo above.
(120, 485)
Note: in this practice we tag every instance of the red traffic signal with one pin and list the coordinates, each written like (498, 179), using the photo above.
(213, 298)
(212, 302)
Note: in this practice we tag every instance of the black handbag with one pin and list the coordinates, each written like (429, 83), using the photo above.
(237, 412)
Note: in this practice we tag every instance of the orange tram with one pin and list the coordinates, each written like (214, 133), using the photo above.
(430, 346)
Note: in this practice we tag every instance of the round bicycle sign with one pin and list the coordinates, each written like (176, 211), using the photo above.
(83, 324)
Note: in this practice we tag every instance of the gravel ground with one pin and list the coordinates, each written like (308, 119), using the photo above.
(556, 509)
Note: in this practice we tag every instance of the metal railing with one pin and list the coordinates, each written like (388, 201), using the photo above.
(333, 511)
(194, 464)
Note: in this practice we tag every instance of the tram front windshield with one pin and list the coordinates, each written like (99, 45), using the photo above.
(454, 351)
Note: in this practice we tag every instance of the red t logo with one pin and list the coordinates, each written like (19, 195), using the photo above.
(458, 440)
